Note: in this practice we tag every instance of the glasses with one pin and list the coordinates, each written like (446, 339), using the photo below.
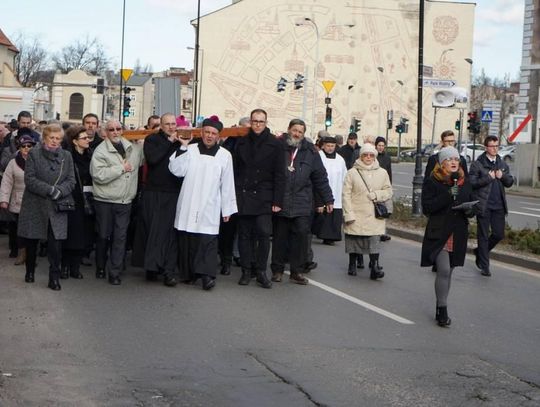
(258, 122)
(83, 137)
(27, 146)
(115, 128)
(368, 155)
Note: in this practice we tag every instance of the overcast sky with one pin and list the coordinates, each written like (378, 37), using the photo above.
(158, 32)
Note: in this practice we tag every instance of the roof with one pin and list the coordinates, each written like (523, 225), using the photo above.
(138, 80)
(6, 42)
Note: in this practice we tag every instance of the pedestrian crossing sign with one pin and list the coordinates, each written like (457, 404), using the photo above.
(487, 116)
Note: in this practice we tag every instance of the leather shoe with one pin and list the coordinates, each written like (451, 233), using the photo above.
(54, 285)
(29, 277)
(298, 278)
(486, 272)
(311, 265)
(385, 238)
(170, 281)
(100, 273)
(115, 280)
(225, 270)
(277, 277)
(208, 282)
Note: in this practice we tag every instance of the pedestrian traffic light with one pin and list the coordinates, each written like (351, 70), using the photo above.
(298, 81)
(355, 125)
(328, 119)
(282, 83)
(127, 106)
(457, 125)
(402, 126)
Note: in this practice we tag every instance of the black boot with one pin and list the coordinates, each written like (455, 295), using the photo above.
(352, 264)
(441, 315)
(74, 270)
(359, 261)
(29, 277)
(262, 279)
(246, 277)
(379, 267)
(375, 272)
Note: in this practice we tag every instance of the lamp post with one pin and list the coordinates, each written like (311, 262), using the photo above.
(381, 70)
(469, 103)
(401, 83)
(196, 66)
(349, 102)
(120, 115)
(197, 86)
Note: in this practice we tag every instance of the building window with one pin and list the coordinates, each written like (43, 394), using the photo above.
(186, 104)
(76, 106)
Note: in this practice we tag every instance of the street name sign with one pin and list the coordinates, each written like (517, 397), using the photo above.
(440, 83)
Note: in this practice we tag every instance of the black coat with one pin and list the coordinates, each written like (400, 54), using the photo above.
(259, 173)
(349, 154)
(308, 178)
(157, 150)
(385, 162)
(443, 221)
(482, 182)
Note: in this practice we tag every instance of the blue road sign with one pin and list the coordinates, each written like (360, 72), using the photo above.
(487, 116)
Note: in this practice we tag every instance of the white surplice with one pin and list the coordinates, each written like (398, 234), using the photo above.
(336, 170)
(207, 191)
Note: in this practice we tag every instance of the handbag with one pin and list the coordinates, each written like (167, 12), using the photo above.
(87, 196)
(381, 211)
(66, 203)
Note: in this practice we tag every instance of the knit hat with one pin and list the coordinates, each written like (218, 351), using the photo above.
(26, 139)
(447, 153)
(368, 149)
(213, 121)
(380, 140)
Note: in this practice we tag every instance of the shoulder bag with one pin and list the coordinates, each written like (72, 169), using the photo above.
(65, 203)
(381, 211)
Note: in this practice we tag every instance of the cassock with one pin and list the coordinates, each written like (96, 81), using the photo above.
(327, 226)
(207, 194)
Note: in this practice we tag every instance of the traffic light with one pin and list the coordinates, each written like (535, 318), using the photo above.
(457, 125)
(402, 126)
(127, 101)
(389, 119)
(328, 120)
(282, 83)
(100, 86)
(356, 125)
(473, 123)
(298, 81)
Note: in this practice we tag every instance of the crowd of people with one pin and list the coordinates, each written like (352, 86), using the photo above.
(183, 204)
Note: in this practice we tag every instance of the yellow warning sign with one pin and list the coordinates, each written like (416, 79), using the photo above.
(126, 74)
(328, 85)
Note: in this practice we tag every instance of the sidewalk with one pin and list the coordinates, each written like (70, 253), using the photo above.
(524, 191)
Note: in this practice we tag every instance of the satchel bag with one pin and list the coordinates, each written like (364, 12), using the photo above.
(66, 203)
(381, 211)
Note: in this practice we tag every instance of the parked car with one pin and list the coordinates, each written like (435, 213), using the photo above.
(430, 149)
(470, 150)
(507, 153)
(410, 153)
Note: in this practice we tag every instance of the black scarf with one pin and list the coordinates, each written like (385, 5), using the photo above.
(20, 161)
(331, 155)
(208, 151)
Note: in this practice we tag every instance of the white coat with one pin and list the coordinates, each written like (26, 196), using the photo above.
(336, 170)
(207, 191)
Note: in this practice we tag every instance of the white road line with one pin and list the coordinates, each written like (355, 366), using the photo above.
(531, 209)
(524, 214)
(402, 186)
(356, 301)
(402, 173)
(529, 203)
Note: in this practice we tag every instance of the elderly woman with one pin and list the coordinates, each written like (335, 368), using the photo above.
(12, 190)
(445, 238)
(365, 183)
(80, 221)
(49, 180)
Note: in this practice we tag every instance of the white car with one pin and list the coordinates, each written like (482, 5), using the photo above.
(468, 150)
(507, 153)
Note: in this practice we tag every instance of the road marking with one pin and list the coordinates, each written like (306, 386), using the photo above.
(529, 203)
(531, 209)
(401, 186)
(356, 301)
(524, 214)
(402, 173)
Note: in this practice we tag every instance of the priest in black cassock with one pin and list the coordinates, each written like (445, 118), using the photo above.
(207, 195)
(155, 246)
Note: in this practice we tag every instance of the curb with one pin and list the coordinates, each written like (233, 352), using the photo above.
(529, 263)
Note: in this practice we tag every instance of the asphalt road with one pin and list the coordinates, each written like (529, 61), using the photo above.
(340, 341)
(523, 211)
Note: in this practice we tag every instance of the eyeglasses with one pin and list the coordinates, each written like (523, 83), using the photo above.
(27, 146)
(83, 137)
(368, 155)
(258, 122)
(115, 128)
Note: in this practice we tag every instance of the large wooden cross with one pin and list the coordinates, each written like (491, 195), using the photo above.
(188, 132)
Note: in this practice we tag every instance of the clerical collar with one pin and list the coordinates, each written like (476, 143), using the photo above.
(331, 155)
(208, 151)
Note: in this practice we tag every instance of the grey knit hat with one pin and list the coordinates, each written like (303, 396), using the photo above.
(447, 153)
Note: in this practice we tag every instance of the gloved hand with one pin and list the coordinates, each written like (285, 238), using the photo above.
(372, 196)
(55, 193)
(454, 190)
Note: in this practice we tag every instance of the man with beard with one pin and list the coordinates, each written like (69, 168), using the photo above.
(207, 194)
(90, 122)
(259, 174)
(114, 169)
(155, 246)
(305, 175)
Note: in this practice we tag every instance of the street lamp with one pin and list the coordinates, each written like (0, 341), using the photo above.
(381, 70)
(444, 52)
(197, 86)
(315, 69)
(349, 101)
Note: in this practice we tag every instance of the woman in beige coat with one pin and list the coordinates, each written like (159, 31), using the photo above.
(366, 182)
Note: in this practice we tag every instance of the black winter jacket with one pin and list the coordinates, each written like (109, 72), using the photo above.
(443, 221)
(482, 182)
(157, 150)
(259, 173)
(385, 162)
(349, 154)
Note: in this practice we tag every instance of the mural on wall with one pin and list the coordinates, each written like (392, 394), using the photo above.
(365, 51)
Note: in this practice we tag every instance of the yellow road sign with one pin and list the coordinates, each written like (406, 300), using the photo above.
(126, 74)
(328, 85)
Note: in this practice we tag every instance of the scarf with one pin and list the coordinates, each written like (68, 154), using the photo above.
(20, 161)
(445, 177)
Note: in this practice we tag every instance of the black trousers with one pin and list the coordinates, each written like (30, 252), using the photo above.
(227, 232)
(54, 254)
(254, 240)
(112, 221)
(494, 220)
(290, 243)
(197, 255)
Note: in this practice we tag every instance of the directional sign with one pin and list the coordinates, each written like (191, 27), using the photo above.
(328, 85)
(126, 74)
(487, 116)
(440, 83)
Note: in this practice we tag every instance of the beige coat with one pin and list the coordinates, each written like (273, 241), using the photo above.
(12, 189)
(357, 207)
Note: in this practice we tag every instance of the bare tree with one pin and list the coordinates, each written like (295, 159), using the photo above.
(140, 69)
(87, 55)
(31, 60)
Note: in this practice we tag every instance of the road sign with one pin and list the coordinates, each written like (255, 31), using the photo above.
(487, 116)
(328, 85)
(126, 74)
(521, 128)
(440, 83)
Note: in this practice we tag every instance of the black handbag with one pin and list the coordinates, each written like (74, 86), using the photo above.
(381, 211)
(64, 204)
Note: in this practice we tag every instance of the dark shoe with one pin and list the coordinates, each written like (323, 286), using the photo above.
(246, 277)
(64, 273)
(262, 280)
(76, 274)
(311, 266)
(54, 285)
(385, 238)
(298, 278)
(375, 273)
(277, 277)
(170, 281)
(359, 261)
(441, 316)
(115, 280)
(100, 273)
(225, 270)
(85, 261)
(485, 272)
(151, 275)
(29, 277)
(208, 282)
(328, 242)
